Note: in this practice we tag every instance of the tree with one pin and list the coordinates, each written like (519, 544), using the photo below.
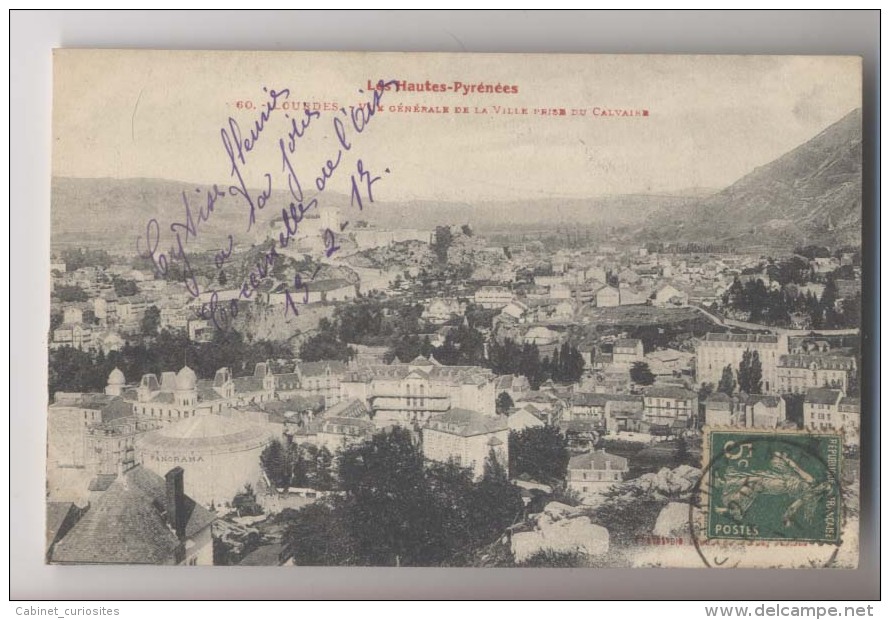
(503, 404)
(828, 301)
(245, 502)
(319, 535)
(496, 502)
(681, 455)
(325, 345)
(750, 373)
(222, 279)
(151, 321)
(324, 475)
(69, 294)
(794, 408)
(629, 512)
(704, 392)
(441, 243)
(540, 452)
(567, 365)
(641, 374)
(125, 288)
(464, 346)
(727, 383)
(274, 461)
(388, 504)
(466, 230)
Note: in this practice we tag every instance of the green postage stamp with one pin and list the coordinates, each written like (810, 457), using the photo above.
(773, 485)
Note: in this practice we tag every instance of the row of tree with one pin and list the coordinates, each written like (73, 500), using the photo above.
(298, 465)
(511, 358)
(748, 378)
(776, 306)
(395, 510)
(74, 370)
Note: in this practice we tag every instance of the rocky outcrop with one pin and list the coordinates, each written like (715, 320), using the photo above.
(563, 529)
(672, 521)
(670, 483)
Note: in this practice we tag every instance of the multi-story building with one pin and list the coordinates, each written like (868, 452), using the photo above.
(718, 350)
(745, 411)
(490, 297)
(76, 335)
(175, 317)
(105, 307)
(335, 433)
(439, 310)
(668, 405)
(69, 418)
(607, 297)
(827, 409)
(311, 379)
(591, 473)
(798, 373)
(627, 351)
(130, 310)
(412, 393)
(668, 295)
(466, 438)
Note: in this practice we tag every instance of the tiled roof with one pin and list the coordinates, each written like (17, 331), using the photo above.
(314, 369)
(588, 399)
(822, 396)
(206, 394)
(126, 525)
(102, 482)
(56, 515)
(669, 391)
(328, 424)
(294, 403)
(248, 384)
(597, 461)
(467, 423)
(84, 401)
(849, 403)
(580, 426)
(768, 400)
(354, 408)
(822, 362)
(750, 338)
(213, 433)
(719, 397)
(455, 375)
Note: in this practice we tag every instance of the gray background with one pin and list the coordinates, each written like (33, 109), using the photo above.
(34, 34)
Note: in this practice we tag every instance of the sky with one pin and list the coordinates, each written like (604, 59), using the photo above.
(710, 119)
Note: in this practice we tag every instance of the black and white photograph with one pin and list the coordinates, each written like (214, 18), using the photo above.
(455, 310)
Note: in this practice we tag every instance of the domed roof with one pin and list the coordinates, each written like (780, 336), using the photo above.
(116, 377)
(186, 379)
(209, 434)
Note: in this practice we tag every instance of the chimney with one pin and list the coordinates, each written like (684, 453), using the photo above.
(175, 501)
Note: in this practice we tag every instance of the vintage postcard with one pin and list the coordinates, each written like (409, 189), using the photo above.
(469, 310)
